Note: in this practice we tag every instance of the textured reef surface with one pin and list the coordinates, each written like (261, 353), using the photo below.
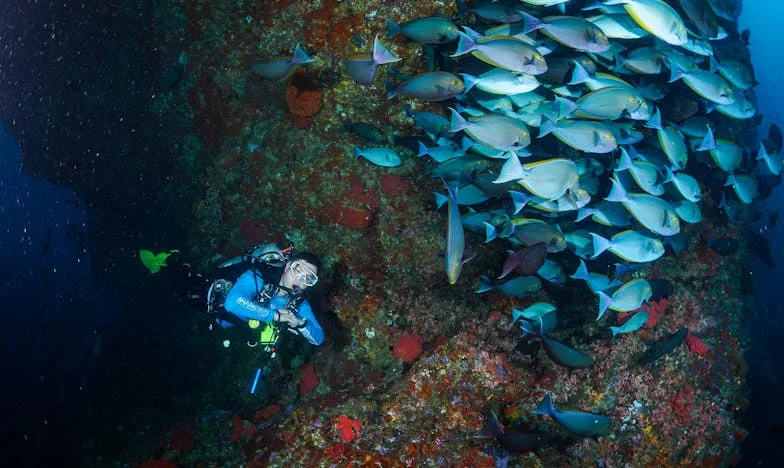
(413, 367)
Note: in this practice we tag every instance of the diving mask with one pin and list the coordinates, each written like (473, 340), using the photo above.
(303, 273)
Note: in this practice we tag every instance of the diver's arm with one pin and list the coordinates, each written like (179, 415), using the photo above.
(240, 301)
(312, 330)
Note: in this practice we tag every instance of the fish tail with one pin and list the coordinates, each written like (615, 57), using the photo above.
(714, 64)
(491, 429)
(422, 149)
(491, 232)
(617, 192)
(600, 244)
(357, 152)
(579, 75)
(676, 72)
(583, 213)
(457, 122)
(730, 180)
(545, 406)
(605, 302)
(469, 80)
(441, 199)
(391, 88)
(655, 121)
(709, 142)
(511, 170)
(565, 107)
(546, 126)
(762, 153)
(530, 23)
(519, 200)
(382, 54)
(464, 45)
(393, 29)
(625, 162)
(300, 56)
(582, 272)
(486, 285)
(615, 330)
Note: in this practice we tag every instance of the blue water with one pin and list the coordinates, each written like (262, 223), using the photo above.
(53, 309)
(766, 329)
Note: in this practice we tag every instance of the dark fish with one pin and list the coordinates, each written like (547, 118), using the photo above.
(577, 422)
(774, 134)
(745, 37)
(368, 132)
(702, 17)
(661, 288)
(658, 350)
(526, 261)
(761, 247)
(725, 246)
(519, 442)
(564, 355)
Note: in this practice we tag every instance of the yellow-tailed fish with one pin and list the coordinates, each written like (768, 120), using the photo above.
(504, 52)
(688, 211)
(725, 153)
(548, 179)
(607, 214)
(686, 185)
(496, 131)
(630, 296)
(671, 140)
(618, 26)
(630, 246)
(455, 237)
(652, 212)
(583, 135)
(531, 231)
(745, 187)
(656, 17)
(706, 84)
(645, 174)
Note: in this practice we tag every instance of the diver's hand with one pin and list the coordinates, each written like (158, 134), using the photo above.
(285, 316)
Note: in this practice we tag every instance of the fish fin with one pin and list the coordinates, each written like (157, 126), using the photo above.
(530, 22)
(605, 302)
(617, 192)
(546, 126)
(519, 200)
(423, 150)
(545, 406)
(581, 273)
(565, 107)
(600, 244)
(441, 199)
(300, 56)
(357, 152)
(579, 75)
(583, 213)
(391, 88)
(491, 429)
(708, 142)
(469, 80)
(615, 330)
(485, 286)
(491, 232)
(464, 45)
(625, 162)
(676, 72)
(393, 29)
(471, 33)
(730, 180)
(512, 261)
(714, 65)
(511, 170)
(457, 122)
(382, 54)
(762, 153)
(655, 121)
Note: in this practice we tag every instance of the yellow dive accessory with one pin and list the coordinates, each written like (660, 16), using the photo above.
(154, 262)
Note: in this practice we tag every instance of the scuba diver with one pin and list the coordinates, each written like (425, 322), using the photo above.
(268, 292)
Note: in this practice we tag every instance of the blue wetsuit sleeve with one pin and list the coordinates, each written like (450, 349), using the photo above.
(312, 330)
(240, 301)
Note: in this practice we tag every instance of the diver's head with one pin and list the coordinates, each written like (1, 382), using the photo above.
(301, 272)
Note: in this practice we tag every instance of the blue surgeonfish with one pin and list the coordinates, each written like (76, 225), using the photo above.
(745, 186)
(561, 354)
(611, 103)
(688, 211)
(433, 86)
(656, 17)
(606, 214)
(630, 246)
(362, 68)
(576, 422)
(570, 31)
(522, 286)
(552, 272)
(642, 60)
(645, 174)
(619, 26)
(455, 237)
(429, 30)
(686, 185)
(583, 135)
(496, 131)
(652, 212)
(531, 231)
(726, 154)
(383, 157)
(706, 84)
(773, 161)
(541, 313)
(596, 281)
(670, 139)
(440, 153)
(280, 68)
(505, 52)
(630, 296)
(501, 82)
(548, 179)
(632, 325)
